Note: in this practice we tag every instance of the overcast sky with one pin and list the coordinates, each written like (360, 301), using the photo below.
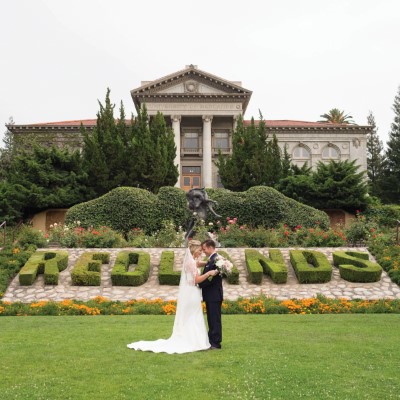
(300, 58)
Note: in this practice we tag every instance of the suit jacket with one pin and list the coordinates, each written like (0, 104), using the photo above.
(212, 289)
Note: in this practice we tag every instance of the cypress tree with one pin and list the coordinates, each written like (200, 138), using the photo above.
(390, 184)
(375, 159)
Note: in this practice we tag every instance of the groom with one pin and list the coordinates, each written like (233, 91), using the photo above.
(212, 295)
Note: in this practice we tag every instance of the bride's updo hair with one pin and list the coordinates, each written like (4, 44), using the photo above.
(194, 245)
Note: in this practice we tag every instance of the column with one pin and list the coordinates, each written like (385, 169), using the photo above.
(207, 151)
(176, 127)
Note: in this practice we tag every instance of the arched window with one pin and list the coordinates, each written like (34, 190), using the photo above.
(301, 155)
(330, 152)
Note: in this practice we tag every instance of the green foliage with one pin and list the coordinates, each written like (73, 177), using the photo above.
(335, 116)
(356, 267)
(12, 258)
(121, 276)
(138, 154)
(390, 183)
(384, 215)
(40, 178)
(254, 161)
(49, 263)
(274, 265)
(336, 184)
(167, 275)
(310, 266)
(87, 269)
(233, 277)
(254, 267)
(375, 158)
(360, 229)
(29, 236)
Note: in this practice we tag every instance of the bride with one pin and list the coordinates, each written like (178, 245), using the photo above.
(189, 333)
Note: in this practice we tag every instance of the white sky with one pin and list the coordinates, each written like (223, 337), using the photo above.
(300, 58)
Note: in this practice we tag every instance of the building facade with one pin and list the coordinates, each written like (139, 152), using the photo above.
(203, 110)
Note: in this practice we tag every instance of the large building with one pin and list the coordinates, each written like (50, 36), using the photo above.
(202, 110)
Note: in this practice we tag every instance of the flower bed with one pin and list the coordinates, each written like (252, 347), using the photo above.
(257, 305)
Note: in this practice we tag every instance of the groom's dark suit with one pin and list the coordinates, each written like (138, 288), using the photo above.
(213, 296)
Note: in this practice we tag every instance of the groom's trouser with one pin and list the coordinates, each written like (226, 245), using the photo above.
(214, 323)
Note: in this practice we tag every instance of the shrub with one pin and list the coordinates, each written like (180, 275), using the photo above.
(126, 208)
(49, 263)
(356, 267)
(27, 235)
(167, 275)
(120, 276)
(274, 266)
(254, 268)
(233, 277)
(310, 266)
(87, 269)
(384, 215)
(359, 229)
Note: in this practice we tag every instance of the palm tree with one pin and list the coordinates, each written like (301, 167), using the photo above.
(335, 116)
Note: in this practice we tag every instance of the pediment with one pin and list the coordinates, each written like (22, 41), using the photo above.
(190, 81)
(189, 86)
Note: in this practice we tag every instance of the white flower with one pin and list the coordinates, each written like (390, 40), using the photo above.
(78, 222)
(55, 224)
(194, 213)
(210, 224)
(51, 226)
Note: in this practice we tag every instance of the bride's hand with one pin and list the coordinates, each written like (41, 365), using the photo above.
(212, 272)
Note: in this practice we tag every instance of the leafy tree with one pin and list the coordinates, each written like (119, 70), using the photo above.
(375, 158)
(254, 161)
(337, 184)
(43, 178)
(390, 184)
(335, 116)
(6, 152)
(137, 154)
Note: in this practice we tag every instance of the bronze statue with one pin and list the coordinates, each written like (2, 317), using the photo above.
(198, 202)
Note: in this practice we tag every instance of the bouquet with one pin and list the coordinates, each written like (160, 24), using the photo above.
(223, 265)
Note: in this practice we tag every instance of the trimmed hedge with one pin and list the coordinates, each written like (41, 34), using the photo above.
(120, 276)
(49, 263)
(311, 266)
(355, 266)
(274, 266)
(87, 269)
(254, 268)
(125, 208)
(233, 277)
(167, 275)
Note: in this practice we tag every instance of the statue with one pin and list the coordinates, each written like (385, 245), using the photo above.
(198, 202)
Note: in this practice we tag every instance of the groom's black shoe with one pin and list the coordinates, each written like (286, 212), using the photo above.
(215, 348)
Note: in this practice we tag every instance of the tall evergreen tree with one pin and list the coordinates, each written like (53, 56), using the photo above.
(254, 161)
(390, 184)
(43, 178)
(375, 158)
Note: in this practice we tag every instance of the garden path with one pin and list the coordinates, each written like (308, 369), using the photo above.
(336, 288)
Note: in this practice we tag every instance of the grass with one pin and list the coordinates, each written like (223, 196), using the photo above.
(263, 357)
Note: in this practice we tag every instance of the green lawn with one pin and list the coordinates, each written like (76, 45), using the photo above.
(263, 357)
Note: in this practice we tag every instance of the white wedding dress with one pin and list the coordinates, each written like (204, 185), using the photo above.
(189, 333)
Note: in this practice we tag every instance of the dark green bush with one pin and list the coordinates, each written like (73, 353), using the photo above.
(254, 268)
(384, 215)
(125, 208)
(311, 266)
(49, 263)
(87, 269)
(233, 277)
(120, 276)
(356, 267)
(167, 275)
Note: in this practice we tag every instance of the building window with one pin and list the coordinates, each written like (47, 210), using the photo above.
(191, 141)
(221, 141)
(301, 155)
(191, 170)
(330, 152)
